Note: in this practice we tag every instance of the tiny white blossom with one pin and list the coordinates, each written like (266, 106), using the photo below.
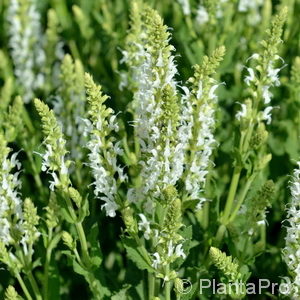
(242, 113)
(291, 252)
(185, 4)
(156, 261)
(266, 115)
(202, 15)
(250, 77)
(144, 226)
(179, 251)
(266, 94)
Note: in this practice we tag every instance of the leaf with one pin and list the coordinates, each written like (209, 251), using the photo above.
(84, 210)
(80, 270)
(187, 234)
(135, 253)
(54, 280)
(122, 294)
(95, 250)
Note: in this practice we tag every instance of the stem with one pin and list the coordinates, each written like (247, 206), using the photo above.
(151, 286)
(167, 285)
(23, 286)
(83, 243)
(34, 286)
(46, 276)
(231, 194)
(47, 263)
(242, 198)
(220, 234)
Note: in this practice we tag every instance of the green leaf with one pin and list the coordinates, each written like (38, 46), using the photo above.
(122, 294)
(95, 250)
(135, 253)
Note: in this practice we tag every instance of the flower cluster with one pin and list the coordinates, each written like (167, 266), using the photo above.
(185, 5)
(54, 161)
(11, 203)
(202, 102)
(252, 8)
(69, 105)
(25, 41)
(264, 76)
(291, 252)
(18, 220)
(99, 127)
(156, 103)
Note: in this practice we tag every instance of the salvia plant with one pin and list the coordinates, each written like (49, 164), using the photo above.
(149, 149)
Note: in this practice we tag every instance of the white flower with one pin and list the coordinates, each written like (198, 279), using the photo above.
(26, 44)
(202, 15)
(179, 251)
(205, 141)
(250, 77)
(266, 94)
(273, 75)
(110, 207)
(104, 165)
(156, 261)
(253, 56)
(245, 5)
(185, 4)
(55, 181)
(291, 252)
(242, 113)
(144, 225)
(266, 115)
(199, 205)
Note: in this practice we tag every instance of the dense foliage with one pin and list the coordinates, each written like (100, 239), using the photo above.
(146, 146)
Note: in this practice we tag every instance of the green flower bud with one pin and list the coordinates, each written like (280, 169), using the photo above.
(178, 285)
(169, 194)
(225, 264)
(11, 293)
(259, 137)
(172, 221)
(13, 121)
(130, 222)
(75, 196)
(68, 240)
(259, 203)
(31, 220)
(52, 212)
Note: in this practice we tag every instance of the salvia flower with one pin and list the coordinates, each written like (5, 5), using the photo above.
(99, 128)
(69, 105)
(185, 5)
(291, 252)
(18, 219)
(54, 158)
(264, 76)
(10, 201)
(202, 141)
(26, 43)
(156, 103)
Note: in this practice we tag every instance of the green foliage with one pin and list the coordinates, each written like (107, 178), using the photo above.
(161, 151)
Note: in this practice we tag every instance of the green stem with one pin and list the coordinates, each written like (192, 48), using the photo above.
(151, 286)
(167, 285)
(231, 195)
(83, 243)
(46, 276)
(23, 286)
(34, 286)
(46, 268)
(220, 234)
(242, 198)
